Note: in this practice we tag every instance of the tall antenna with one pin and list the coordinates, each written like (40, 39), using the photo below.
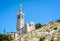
(4, 31)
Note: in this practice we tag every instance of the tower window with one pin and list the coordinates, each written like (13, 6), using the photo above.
(18, 17)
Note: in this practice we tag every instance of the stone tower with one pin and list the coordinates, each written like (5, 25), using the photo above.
(20, 20)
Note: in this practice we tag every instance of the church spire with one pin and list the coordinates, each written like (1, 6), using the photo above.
(20, 11)
(20, 7)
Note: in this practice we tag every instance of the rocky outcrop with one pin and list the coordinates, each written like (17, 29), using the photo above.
(49, 32)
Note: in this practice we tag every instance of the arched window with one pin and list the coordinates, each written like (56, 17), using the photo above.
(18, 17)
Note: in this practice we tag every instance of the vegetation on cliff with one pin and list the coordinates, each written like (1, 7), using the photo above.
(4, 37)
(47, 32)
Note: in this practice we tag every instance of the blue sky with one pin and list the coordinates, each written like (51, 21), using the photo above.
(41, 11)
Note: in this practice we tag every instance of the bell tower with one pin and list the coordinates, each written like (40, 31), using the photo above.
(20, 20)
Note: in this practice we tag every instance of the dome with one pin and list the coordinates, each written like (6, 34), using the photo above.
(31, 22)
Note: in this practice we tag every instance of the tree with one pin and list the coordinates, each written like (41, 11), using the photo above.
(38, 25)
(4, 37)
(58, 21)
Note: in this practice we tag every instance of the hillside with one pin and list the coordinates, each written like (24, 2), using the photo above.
(48, 32)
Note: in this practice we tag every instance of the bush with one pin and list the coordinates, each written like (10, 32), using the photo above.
(42, 38)
(4, 37)
(55, 28)
(38, 25)
(58, 21)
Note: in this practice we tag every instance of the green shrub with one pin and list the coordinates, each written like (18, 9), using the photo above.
(42, 38)
(55, 28)
(38, 25)
(58, 21)
(4, 37)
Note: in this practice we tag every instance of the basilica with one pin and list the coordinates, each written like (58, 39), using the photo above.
(22, 28)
